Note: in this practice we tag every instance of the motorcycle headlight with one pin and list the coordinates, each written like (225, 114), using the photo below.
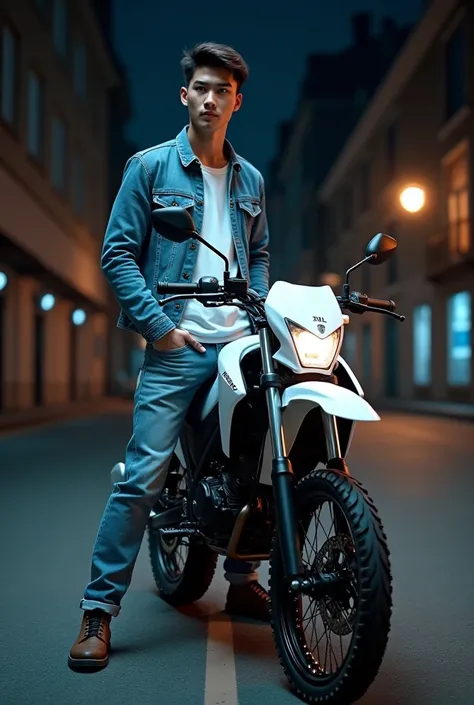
(313, 351)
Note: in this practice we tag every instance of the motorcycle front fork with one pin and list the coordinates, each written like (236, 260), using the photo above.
(282, 472)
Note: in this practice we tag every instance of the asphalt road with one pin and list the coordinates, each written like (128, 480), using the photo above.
(54, 485)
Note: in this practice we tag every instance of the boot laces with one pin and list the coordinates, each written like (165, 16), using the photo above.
(94, 625)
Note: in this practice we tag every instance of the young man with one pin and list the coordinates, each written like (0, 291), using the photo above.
(198, 170)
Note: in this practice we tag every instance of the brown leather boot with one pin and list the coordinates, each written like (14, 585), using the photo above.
(248, 600)
(90, 651)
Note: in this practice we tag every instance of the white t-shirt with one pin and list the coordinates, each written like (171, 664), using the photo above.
(224, 323)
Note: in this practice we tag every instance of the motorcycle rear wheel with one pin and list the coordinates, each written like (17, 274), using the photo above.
(181, 576)
(360, 612)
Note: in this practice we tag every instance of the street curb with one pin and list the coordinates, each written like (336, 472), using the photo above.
(458, 412)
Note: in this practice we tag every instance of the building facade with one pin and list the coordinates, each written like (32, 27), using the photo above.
(335, 91)
(125, 349)
(55, 74)
(417, 132)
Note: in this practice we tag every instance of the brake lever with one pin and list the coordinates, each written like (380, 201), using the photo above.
(198, 297)
(375, 309)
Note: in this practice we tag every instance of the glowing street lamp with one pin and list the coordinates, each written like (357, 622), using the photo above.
(412, 199)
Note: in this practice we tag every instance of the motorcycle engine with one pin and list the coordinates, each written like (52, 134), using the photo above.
(217, 501)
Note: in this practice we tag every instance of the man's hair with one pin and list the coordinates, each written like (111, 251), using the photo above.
(216, 56)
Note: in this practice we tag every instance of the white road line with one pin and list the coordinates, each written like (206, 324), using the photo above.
(221, 681)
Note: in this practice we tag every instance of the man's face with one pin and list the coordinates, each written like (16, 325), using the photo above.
(211, 98)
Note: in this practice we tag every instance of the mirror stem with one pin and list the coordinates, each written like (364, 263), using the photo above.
(346, 287)
(219, 254)
(356, 266)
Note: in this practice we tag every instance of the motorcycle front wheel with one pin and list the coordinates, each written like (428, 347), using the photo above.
(331, 646)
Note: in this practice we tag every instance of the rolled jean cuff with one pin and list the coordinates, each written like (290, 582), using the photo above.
(104, 606)
(240, 578)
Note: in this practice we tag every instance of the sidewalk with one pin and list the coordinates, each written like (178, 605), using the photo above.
(37, 416)
(27, 418)
(430, 408)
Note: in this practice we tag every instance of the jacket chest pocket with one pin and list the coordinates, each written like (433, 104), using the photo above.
(248, 208)
(167, 264)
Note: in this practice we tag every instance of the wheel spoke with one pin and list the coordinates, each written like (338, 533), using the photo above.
(333, 554)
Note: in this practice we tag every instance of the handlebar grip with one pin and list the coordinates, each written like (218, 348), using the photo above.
(178, 287)
(386, 304)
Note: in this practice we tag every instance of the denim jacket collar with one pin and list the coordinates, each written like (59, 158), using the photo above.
(187, 155)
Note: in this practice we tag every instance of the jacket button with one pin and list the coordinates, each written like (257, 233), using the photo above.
(174, 204)
(177, 306)
(193, 246)
(199, 203)
(231, 204)
(185, 275)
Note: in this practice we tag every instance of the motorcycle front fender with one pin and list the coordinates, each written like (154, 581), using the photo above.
(333, 399)
(299, 399)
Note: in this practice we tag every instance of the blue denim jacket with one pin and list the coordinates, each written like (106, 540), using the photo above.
(135, 256)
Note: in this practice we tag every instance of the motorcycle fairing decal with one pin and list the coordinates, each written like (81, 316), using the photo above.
(230, 394)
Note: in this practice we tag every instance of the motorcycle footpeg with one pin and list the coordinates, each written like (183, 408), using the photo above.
(117, 474)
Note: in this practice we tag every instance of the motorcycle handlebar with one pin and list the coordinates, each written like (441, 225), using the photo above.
(385, 304)
(178, 287)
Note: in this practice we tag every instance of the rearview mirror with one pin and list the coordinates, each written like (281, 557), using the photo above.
(383, 246)
(175, 224)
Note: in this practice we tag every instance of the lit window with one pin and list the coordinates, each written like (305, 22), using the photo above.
(60, 26)
(422, 345)
(459, 339)
(455, 71)
(9, 76)
(35, 115)
(458, 206)
(58, 154)
(80, 69)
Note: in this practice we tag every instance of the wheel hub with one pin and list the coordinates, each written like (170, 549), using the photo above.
(338, 612)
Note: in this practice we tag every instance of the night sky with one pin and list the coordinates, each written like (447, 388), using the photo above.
(274, 42)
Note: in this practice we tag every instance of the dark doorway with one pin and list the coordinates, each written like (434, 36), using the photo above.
(39, 358)
(2, 338)
(73, 341)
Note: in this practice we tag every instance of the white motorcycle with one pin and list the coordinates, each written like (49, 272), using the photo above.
(260, 473)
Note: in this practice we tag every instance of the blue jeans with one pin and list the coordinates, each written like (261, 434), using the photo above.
(166, 386)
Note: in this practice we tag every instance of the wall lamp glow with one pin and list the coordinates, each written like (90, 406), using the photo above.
(47, 302)
(79, 317)
(3, 281)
